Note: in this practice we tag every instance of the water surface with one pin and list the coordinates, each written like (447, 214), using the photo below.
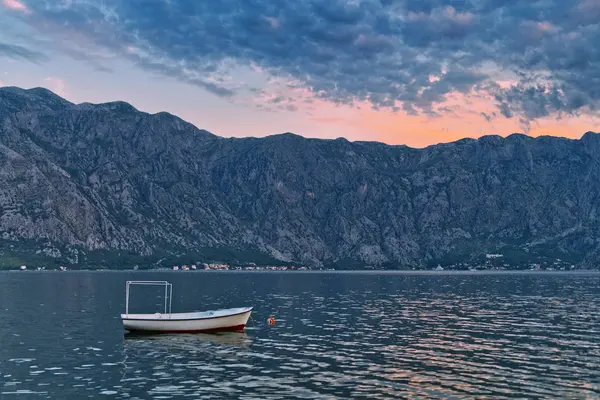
(337, 335)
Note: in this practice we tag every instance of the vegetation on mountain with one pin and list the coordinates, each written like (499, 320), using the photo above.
(107, 185)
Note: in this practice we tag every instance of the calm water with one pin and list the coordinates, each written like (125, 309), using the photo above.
(336, 336)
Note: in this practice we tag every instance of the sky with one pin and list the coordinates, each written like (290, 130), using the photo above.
(413, 72)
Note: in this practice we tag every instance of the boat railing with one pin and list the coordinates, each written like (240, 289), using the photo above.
(168, 293)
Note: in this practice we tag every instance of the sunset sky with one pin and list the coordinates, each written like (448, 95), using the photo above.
(413, 72)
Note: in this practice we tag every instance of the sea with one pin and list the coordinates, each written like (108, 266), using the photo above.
(337, 335)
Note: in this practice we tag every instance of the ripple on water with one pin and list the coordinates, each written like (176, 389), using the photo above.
(336, 336)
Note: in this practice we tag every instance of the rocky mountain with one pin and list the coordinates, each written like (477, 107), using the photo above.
(106, 183)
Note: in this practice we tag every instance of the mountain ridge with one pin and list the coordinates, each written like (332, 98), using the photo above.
(108, 104)
(83, 178)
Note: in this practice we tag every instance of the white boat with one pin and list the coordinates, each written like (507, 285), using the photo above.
(230, 319)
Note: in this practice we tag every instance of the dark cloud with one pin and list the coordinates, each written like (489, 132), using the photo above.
(178, 73)
(21, 53)
(504, 108)
(442, 24)
(407, 54)
(488, 117)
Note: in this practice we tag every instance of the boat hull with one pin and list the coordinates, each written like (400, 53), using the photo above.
(186, 323)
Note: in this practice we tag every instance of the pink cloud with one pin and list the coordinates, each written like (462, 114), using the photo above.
(447, 13)
(57, 85)
(274, 22)
(459, 17)
(589, 5)
(536, 30)
(16, 5)
(373, 41)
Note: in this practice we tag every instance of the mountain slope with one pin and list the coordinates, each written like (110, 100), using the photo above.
(75, 179)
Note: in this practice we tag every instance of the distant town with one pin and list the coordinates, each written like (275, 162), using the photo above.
(226, 267)
(184, 267)
(492, 262)
(496, 262)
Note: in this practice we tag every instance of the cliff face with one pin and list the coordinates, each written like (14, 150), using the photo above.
(81, 178)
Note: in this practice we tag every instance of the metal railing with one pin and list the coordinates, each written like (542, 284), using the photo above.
(168, 292)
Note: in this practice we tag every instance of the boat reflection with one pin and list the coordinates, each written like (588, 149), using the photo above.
(148, 356)
(189, 341)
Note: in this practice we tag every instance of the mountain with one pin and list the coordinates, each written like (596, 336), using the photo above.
(108, 184)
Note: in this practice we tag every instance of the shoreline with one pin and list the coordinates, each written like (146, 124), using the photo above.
(324, 272)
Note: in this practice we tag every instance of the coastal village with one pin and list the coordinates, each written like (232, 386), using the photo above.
(227, 267)
(492, 262)
(185, 267)
(497, 262)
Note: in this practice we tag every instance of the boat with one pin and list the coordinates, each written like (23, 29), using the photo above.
(229, 319)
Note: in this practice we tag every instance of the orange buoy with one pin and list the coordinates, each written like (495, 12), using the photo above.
(271, 321)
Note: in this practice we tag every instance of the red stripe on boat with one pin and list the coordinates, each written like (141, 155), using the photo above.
(228, 328)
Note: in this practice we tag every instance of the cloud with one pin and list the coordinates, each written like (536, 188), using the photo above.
(393, 54)
(189, 76)
(57, 85)
(17, 52)
(15, 5)
(488, 117)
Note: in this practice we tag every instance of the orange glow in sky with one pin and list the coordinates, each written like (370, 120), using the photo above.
(265, 74)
